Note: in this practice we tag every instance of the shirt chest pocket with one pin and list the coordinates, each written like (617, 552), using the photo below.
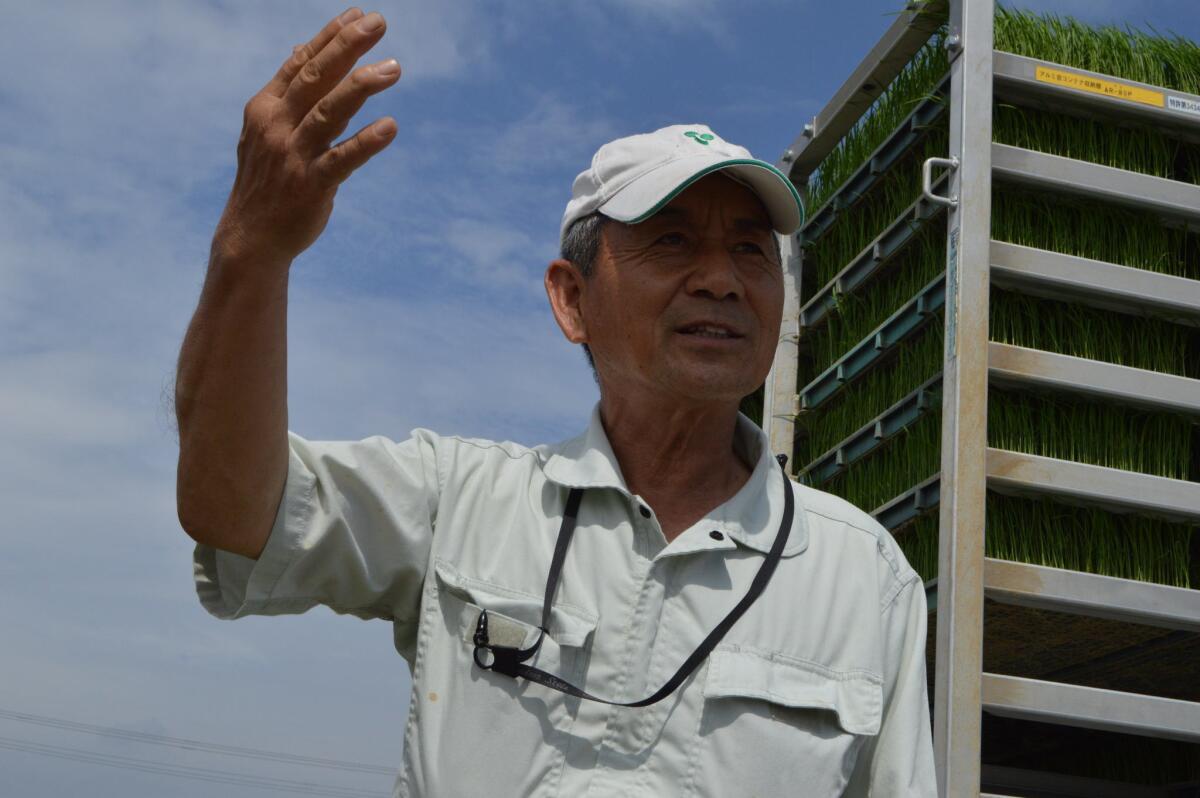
(772, 722)
(515, 726)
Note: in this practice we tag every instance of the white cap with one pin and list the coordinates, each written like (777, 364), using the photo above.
(632, 178)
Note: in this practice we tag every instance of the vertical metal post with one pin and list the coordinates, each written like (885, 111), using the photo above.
(957, 706)
(779, 395)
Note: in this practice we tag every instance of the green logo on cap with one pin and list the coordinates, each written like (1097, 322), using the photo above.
(700, 138)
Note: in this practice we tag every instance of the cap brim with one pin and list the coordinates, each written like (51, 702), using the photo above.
(651, 192)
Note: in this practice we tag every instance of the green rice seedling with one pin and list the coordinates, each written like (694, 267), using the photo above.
(1137, 149)
(918, 540)
(1179, 56)
(1169, 63)
(1095, 230)
(859, 225)
(1073, 329)
(919, 78)
(915, 361)
(1188, 166)
(1043, 532)
(908, 458)
(862, 311)
(1053, 425)
(1072, 427)
(1046, 532)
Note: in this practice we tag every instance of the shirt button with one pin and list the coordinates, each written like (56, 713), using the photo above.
(715, 535)
(644, 510)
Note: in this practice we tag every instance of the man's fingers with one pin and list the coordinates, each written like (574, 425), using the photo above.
(339, 162)
(329, 117)
(323, 71)
(301, 54)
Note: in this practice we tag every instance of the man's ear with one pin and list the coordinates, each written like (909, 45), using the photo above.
(565, 287)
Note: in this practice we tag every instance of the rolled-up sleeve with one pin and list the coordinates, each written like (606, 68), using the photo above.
(353, 532)
(898, 762)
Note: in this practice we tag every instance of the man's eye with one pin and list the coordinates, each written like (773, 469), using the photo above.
(671, 239)
(750, 246)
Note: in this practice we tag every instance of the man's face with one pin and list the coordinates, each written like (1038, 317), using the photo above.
(687, 304)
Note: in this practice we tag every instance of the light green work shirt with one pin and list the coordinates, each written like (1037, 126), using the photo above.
(818, 690)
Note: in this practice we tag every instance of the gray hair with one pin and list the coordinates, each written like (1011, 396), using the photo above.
(581, 246)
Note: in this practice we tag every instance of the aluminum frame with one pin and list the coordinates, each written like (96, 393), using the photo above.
(1018, 366)
(1076, 593)
(1171, 198)
(1020, 474)
(884, 61)
(1016, 81)
(780, 397)
(1091, 708)
(957, 699)
(1109, 286)
(972, 363)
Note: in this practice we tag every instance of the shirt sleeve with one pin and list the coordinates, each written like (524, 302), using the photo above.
(898, 762)
(353, 532)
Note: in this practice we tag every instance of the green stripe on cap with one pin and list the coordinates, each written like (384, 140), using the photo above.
(736, 162)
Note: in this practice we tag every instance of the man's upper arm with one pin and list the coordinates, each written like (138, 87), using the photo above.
(898, 762)
(353, 532)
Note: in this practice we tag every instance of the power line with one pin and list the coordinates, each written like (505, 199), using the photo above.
(194, 745)
(186, 771)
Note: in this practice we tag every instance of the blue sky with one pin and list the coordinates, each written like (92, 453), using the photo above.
(420, 306)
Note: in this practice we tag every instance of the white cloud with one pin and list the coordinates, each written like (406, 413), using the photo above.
(493, 256)
(552, 134)
(453, 366)
(64, 397)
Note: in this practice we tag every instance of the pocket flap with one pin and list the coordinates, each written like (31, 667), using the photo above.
(514, 617)
(856, 696)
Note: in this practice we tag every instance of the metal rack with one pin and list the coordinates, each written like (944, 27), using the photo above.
(968, 583)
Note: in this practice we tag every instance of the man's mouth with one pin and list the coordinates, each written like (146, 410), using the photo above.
(708, 330)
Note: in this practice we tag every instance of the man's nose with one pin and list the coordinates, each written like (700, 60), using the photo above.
(714, 274)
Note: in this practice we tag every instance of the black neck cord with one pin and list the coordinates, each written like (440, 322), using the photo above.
(510, 660)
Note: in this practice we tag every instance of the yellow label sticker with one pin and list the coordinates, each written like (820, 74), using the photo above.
(1108, 88)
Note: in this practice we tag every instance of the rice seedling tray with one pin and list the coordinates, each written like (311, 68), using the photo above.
(875, 433)
(910, 504)
(900, 142)
(1065, 89)
(1116, 490)
(1174, 200)
(1091, 707)
(1022, 367)
(873, 349)
(1081, 594)
(1096, 283)
(874, 257)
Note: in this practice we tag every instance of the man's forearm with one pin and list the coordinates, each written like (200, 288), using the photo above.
(231, 403)
(231, 384)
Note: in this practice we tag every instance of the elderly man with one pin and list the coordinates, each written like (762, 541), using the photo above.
(651, 608)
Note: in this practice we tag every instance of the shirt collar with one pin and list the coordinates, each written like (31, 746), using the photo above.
(751, 516)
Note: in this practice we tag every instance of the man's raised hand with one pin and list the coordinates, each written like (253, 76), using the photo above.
(288, 167)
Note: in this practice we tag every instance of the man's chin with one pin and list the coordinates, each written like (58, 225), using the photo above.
(718, 387)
